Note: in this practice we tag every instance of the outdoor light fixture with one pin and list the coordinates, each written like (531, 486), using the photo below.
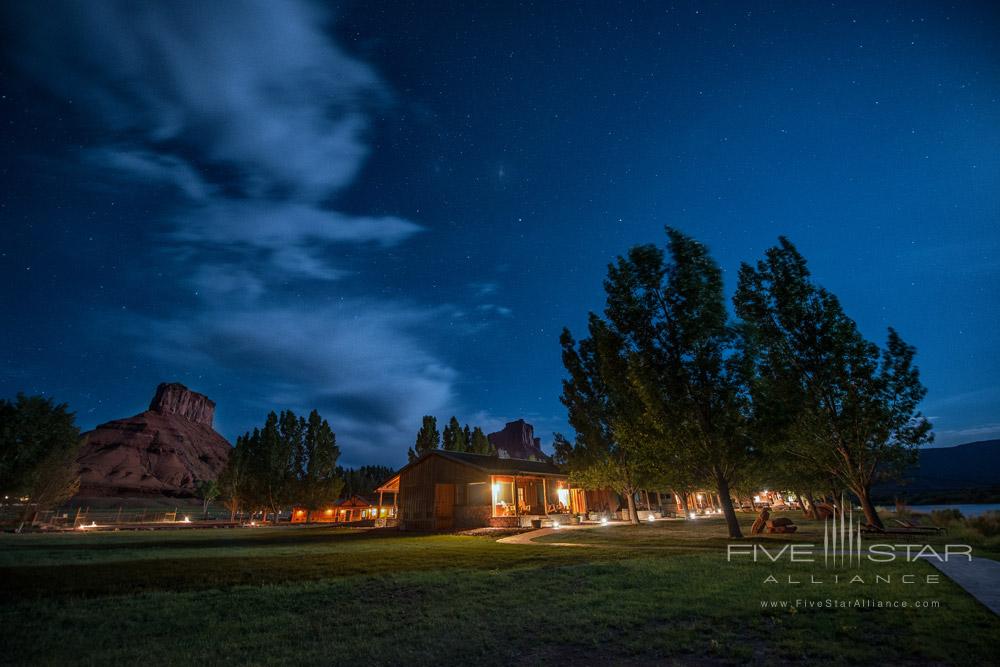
(555, 525)
(692, 515)
(187, 519)
(650, 518)
(604, 521)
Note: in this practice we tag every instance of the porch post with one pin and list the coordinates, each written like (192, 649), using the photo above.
(545, 498)
(513, 485)
(378, 512)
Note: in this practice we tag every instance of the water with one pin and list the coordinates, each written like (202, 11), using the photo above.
(966, 510)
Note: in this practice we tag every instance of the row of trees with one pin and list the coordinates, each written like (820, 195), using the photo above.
(669, 391)
(457, 438)
(364, 480)
(290, 460)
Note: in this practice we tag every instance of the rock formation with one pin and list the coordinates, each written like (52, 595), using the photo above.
(517, 441)
(163, 451)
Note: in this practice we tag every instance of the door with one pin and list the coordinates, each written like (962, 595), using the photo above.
(444, 506)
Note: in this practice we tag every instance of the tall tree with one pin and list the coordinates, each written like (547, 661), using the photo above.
(480, 443)
(467, 438)
(208, 490)
(318, 477)
(454, 436)
(598, 403)
(428, 437)
(234, 483)
(686, 360)
(836, 399)
(271, 461)
(38, 446)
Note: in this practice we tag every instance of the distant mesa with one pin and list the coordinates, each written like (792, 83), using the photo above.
(163, 451)
(517, 441)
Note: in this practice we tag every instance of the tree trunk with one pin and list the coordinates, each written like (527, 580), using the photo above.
(727, 505)
(871, 516)
(684, 502)
(633, 516)
(812, 505)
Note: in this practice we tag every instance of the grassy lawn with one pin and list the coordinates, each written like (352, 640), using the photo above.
(339, 596)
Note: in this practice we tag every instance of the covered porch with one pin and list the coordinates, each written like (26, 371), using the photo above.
(517, 499)
(388, 503)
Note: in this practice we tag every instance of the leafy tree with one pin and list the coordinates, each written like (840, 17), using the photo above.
(39, 442)
(480, 443)
(454, 436)
(428, 437)
(317, 475)
(600, 456)
(271, 462)
(208, 490)
(686, 360)
(834, 399)
(234, 483)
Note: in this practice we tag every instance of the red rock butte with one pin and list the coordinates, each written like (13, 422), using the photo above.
(517, 441)
(163, 451)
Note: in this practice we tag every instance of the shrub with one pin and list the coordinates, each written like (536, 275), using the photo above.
(944, 518)
(986, 524)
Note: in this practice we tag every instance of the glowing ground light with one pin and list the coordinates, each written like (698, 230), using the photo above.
(604, 522)
(555, 525)
(650, 518)
(187, 519)
(692, 515)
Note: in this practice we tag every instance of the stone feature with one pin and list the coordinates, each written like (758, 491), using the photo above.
(163, 451)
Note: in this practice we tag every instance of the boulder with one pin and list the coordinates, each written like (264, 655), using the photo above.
(163, 451)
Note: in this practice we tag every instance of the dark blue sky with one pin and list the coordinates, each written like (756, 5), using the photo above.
(387, 211)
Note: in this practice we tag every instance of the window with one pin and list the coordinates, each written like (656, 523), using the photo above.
(477, 493)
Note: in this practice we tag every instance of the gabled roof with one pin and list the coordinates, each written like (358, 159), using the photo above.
(353, 501)
(492, 464)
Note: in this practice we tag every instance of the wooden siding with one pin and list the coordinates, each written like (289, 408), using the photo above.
(417, 493)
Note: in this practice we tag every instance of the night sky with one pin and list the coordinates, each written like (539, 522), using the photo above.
(385, 211)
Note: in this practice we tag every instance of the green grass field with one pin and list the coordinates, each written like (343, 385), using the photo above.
(648, 594)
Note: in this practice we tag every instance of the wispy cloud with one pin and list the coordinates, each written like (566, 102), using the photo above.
(503, 311)
(255, 120)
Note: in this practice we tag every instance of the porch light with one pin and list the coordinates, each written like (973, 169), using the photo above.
(604, 521)
(650, 518)
(555, 525)
(692, 515)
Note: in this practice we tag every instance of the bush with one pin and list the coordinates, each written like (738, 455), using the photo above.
(986, 524)
(944, 518)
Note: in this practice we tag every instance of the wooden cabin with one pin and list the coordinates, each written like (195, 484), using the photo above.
(445, 490)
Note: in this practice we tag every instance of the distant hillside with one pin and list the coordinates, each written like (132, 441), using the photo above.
(964, 473)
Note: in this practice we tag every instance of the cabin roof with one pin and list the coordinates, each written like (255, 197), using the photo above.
(492, 464)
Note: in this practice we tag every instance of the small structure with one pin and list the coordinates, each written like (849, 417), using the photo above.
(444, 490)
(345, 510)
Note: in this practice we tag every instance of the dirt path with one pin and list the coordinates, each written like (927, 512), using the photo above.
(526, 538)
